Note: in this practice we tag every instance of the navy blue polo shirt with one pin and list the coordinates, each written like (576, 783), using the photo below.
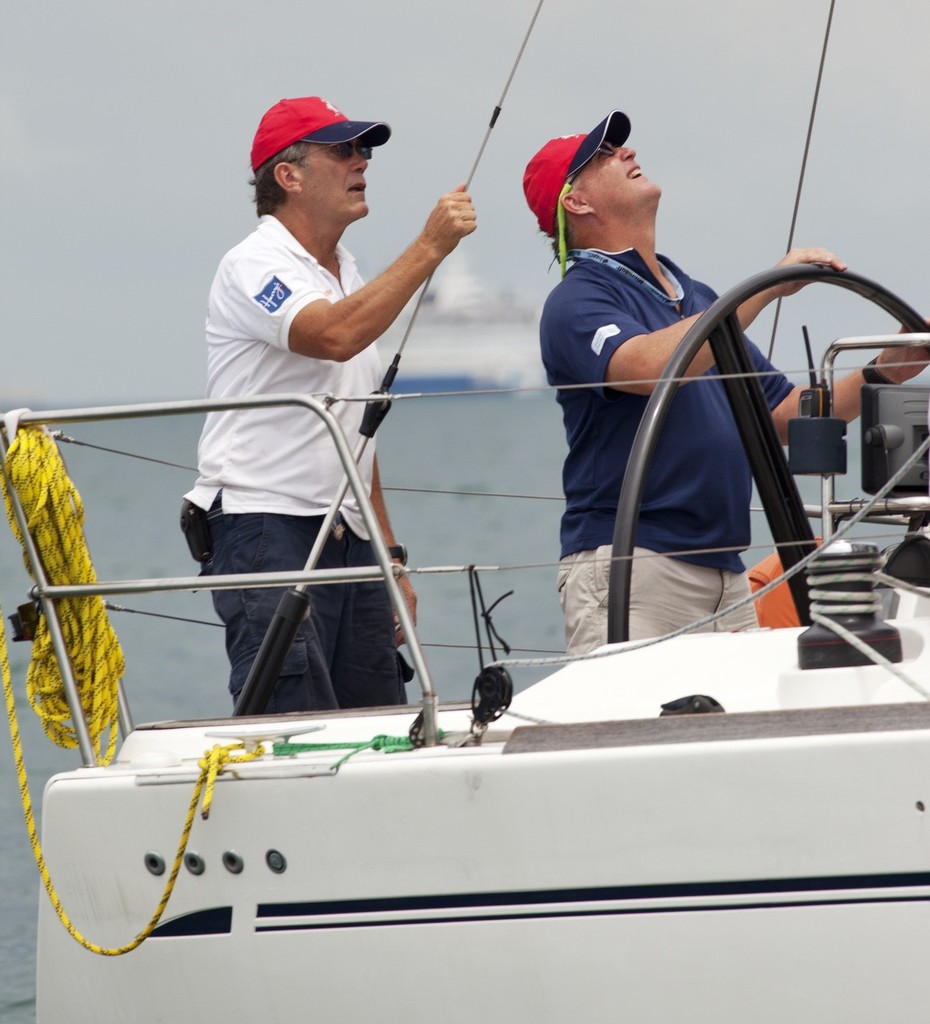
(699, 485)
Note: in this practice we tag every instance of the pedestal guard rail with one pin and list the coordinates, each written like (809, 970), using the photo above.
(47, 594)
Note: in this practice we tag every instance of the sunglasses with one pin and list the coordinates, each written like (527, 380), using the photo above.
(604, 149)
(346, 150)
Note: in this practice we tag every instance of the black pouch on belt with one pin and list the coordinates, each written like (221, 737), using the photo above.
(196, 530)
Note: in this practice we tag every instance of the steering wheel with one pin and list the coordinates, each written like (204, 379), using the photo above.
(784, 509)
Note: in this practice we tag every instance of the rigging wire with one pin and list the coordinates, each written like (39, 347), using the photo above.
(790, 372)
(60, 435)
(111, 607)
(392, 370)
(500, 102)
(807, 144)
(919, 454)
(511, 567)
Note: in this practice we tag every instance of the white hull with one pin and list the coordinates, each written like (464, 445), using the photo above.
(612, 871)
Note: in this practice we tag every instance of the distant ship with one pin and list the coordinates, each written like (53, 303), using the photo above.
(466, 337)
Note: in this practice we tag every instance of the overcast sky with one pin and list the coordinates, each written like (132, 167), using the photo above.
(126, 130)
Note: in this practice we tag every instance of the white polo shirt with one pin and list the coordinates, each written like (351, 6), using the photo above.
(277, 459)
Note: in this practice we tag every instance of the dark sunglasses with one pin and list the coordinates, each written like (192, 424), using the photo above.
(346, 150)
(604, 149)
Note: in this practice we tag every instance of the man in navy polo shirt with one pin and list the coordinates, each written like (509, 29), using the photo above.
(614, 320)
(288, 312)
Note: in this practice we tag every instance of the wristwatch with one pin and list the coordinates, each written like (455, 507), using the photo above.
(398, 553)
(871, 374)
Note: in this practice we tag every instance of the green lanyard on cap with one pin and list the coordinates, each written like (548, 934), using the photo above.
(560, 220)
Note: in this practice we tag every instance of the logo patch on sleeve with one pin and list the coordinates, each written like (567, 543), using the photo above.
(273, 295)
(603, 333)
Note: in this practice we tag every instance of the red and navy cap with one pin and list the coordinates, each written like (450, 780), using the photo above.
(561, 159)
(310, 119)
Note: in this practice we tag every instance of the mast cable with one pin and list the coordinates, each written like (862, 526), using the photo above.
(807, 144)
(392, 370)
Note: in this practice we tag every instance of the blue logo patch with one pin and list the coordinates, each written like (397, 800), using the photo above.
(272, 295)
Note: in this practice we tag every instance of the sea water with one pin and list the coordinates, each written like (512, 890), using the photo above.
(471, 481)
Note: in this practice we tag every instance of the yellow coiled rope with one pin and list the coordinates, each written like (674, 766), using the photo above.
(55, 517)
(55, 520)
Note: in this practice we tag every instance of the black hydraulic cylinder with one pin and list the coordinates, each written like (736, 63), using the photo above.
(790, 527)
(292, 609)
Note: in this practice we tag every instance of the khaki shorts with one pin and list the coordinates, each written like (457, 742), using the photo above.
(665, 594)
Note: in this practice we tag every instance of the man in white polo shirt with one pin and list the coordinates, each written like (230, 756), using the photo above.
(288, 312)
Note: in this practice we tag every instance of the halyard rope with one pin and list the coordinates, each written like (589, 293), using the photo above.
(55, 517)
(55, 520)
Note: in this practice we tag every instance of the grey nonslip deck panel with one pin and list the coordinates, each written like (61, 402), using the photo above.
(720, 727)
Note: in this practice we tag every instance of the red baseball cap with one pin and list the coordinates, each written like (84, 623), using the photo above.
(560, 159)
(310, 119)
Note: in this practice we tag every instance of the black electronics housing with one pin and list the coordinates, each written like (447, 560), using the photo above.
(894, 424)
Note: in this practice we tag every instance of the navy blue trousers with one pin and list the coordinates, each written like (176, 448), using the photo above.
(344, 654)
